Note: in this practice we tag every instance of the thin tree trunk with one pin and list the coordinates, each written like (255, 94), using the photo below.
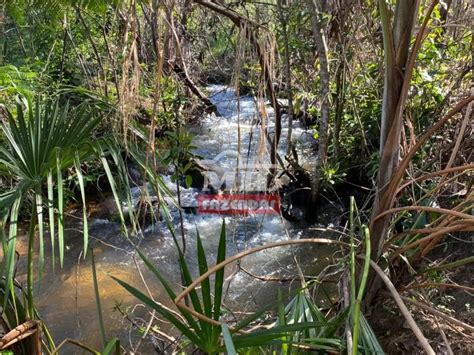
(20, 38)
(321, 48)
(3, 40)
(342, 32)
(94, 49)
(112, 62)
(289, 87)
(183, 75)
(340, 98)
(396, 48)
(398, 70)
(63, 54)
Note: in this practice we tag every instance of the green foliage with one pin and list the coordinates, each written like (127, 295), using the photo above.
(331, 175)
(44, 140)
(40, 139)
(302, 309)
(179, 154)
(299, 323)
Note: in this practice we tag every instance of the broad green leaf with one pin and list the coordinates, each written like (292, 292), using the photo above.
(219, 279)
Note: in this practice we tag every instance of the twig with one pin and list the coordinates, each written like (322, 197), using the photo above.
(75, 342)
(435, 284)
(195, 283)
(403, 309)
(440, 314)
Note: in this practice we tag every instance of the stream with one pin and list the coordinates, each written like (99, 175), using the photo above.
(65, 297)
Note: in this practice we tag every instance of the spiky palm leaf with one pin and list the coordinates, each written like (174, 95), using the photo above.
(42, 141)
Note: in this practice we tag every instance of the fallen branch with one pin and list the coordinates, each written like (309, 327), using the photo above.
(426, 209)
(183, 76)
(442, 231)
(436, 173)
(18, 333)
(74, 342)
(437, 284)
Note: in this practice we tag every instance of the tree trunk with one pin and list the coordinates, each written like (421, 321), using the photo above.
(396, 48)
(396, 41)
(340, 99)
(184, 77)
(321, 48)
(342, 31)
(3, 40)
(289, 88)
(94, 49)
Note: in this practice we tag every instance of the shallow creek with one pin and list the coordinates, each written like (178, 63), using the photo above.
(65, 297)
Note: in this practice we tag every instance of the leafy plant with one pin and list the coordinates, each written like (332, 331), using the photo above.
(331, 175)
(302, 309)
(359, 325)
(199, 333)
(179, 155)
(45, 139)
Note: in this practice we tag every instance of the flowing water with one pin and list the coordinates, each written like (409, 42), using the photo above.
(65, 297)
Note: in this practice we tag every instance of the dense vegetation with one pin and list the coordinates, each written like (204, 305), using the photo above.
(104, 95)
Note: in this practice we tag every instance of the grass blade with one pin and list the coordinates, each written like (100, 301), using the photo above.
(80, 179)
(171, 294)
(97, 301)
(59, 178)
(219, 279)
(51, 215)
(112, 347)
(369, 339)
(10, 252)
(29, 276)
(229, 344)
(285, 349)
(186, 275)
(205, 285)
(113, 186)
(365, 273)
(39, 213)
(183, 328)
(271, 335)
(445, 266)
